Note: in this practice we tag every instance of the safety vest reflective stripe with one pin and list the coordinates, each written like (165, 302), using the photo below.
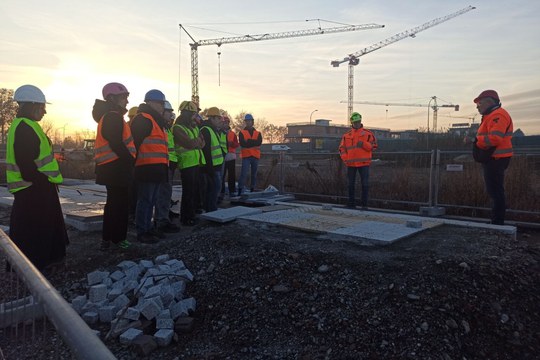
(252, 151)
(103, 152)
(46, 163)
(215, 147)
(357, 160)
(154, 148)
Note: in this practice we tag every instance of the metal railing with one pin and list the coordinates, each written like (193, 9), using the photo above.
(408, 180)
(28, 296)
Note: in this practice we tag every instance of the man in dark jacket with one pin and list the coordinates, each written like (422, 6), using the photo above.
(151, 165)
(115, 156)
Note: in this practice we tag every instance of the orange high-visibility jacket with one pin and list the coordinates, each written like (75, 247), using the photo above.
(252, 151)
(154, 148)
(103, 153)
(356, 147)
(232, 141)
(496, 130)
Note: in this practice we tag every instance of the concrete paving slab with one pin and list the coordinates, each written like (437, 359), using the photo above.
(230, 214)
(374, 227)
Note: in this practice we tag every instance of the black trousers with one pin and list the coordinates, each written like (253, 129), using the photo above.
(494, 180)
(190, 193)
(116, 213)
(230, 170)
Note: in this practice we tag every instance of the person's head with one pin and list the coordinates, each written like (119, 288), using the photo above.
(132, 112)
(356, 120)
(31, 101)
(116, 93)
(156, 100)
(188, 113)
(248, 121)
(486, 101)
(168, 112)
(226, 122)
(214, 117)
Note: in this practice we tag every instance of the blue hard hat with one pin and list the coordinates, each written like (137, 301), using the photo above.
(154, 95)
(248, 117)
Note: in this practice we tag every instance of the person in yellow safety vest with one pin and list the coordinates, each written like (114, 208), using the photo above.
(213, 155)
(162, 220)
(37, 225)
(188, 144)
(132, 112)
(495, 136)
(250, 150)
(229, 168)
(356, 149)
(151, 164)
(114, 153)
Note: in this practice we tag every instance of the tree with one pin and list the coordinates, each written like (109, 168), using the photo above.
(8, 111)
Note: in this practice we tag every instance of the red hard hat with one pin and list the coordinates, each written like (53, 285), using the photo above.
(487, 93)
(114, 89)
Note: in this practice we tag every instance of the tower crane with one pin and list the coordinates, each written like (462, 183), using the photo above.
(434, 106)
(260, 37)
(354, 59)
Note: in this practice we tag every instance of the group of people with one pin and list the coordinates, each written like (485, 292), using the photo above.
(492, 147)
(137, 160)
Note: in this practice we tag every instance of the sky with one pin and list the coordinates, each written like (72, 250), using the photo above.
(71, 49)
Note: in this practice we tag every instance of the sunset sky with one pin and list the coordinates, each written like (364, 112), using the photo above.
(71, 49)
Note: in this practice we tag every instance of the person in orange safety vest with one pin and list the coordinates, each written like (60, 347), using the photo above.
(355, 150)
(250, 150)
(494, 135)
(114, 154)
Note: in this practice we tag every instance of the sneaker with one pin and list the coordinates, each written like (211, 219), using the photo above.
(157, 233)
(169, 228)
(147, 238)
(105, 245)
(190, 222)
(124, 244)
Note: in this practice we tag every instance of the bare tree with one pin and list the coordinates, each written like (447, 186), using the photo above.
(271, 133)
(8, 111)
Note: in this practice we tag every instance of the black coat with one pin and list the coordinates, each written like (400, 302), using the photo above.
(118, 172)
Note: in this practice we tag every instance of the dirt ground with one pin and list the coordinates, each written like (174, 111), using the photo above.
(268, 292)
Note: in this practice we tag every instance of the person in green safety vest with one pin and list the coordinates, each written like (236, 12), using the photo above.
(37, 225)
(213, 154)
(164, 196)
(188, 144)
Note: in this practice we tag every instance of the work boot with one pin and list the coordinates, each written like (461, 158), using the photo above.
(169, 228)
(147, 238)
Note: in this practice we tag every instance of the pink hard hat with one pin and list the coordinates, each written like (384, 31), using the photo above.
(114, 88)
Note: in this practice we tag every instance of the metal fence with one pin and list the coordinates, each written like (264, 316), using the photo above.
(409, 180)
(35, 320)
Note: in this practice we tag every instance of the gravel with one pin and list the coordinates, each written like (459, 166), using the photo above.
(269, 292)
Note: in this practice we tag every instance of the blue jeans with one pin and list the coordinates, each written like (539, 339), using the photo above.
(147, 194)
(248, 162)
(364, 178)
(163, 201)
(494, 180)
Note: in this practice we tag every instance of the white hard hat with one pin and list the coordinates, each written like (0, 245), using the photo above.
(29, 93)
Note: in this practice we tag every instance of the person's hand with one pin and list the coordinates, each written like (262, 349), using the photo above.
(360, 144)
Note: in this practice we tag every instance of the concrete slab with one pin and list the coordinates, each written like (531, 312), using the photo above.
(230, 214)
(370, 227)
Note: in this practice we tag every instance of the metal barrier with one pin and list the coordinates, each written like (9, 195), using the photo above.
(31, 299)
(408, 180)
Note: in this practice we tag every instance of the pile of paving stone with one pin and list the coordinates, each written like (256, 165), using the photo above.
(137, 298)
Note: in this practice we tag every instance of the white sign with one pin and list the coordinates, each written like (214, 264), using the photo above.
(454, 167)
(280, 147)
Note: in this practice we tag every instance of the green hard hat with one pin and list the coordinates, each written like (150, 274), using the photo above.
(356, 117)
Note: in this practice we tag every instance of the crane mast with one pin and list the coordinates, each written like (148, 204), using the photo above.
(353, 59)
(260, 37)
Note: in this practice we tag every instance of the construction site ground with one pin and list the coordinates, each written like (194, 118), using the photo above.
(446, 290)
